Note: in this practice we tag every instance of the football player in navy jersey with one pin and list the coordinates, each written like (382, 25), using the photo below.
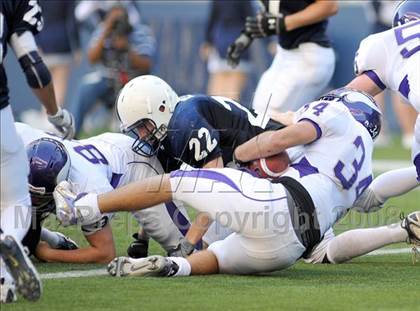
(19, 21)
(303, 47)
(199, 130)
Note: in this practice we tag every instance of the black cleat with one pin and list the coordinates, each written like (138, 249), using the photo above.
(21, 268)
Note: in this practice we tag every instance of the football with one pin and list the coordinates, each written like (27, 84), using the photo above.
(271, 167)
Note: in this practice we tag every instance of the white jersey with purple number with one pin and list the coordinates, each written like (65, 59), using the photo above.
(102, 163)
(392, 60)
(337, 168)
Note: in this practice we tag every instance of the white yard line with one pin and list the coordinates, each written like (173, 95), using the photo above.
(101, 272)
(74, 274)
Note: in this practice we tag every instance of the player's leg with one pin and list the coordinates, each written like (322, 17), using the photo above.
(165, 223)
(394, 183)
(15, 212)
(254, 208)
(358, 242)
(275, 83)
(286, 87)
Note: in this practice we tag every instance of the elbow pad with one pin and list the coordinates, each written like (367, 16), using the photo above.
(24, 46)
(36, 72)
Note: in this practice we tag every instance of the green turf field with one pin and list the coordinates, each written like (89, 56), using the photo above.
(386, 282)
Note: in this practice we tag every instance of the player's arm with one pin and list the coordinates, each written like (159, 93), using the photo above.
(273, 142)
(101, 250)
(312, 14)
(38, 78)
(202, 222)
(365, 84)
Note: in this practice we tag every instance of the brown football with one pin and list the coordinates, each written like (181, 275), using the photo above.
(272, 166)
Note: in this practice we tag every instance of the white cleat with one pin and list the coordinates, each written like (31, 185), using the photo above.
(7, 291)
(21, 268)
(150, 266)
(411, 223)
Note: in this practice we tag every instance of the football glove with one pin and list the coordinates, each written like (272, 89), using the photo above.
(237, 48)
(72, 209)
(138, 248)
(184, 249)
(264, 24)
(63, 121)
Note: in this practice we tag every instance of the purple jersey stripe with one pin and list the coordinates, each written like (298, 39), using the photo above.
(304, 167)
(404, 87)
(115, 180)
(180, 221)
(318, 129)
(216, 176)
(374, 77)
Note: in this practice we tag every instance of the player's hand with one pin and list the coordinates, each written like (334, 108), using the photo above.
(64, 199)
(264, 24)
(63, 121)
(184, 249)
(237, 48)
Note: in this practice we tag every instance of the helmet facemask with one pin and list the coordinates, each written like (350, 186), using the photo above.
(149, 144)
(42, 201)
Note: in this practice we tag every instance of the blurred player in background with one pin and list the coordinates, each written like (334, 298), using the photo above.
(225, 22)
(305, 61)
(382, 13)
(19, 21)
(60, 49)
(119, 51)
(97, 164)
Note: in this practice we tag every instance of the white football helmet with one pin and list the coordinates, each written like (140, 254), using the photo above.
(146, 98)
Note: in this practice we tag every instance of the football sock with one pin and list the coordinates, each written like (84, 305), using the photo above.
(50, 237)
(358, 242)
(394, 183)
(183, 264)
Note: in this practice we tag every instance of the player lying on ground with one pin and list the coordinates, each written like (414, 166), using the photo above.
(275, 222)
(199, 130)
(97, 164)
(172, 133)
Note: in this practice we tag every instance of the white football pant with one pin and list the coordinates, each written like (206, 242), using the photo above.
(255, 209)
(295, 77)
(15, 211)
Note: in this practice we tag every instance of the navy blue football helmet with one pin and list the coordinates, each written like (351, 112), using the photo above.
(361, 105)
(406, 11)
(49, 164)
